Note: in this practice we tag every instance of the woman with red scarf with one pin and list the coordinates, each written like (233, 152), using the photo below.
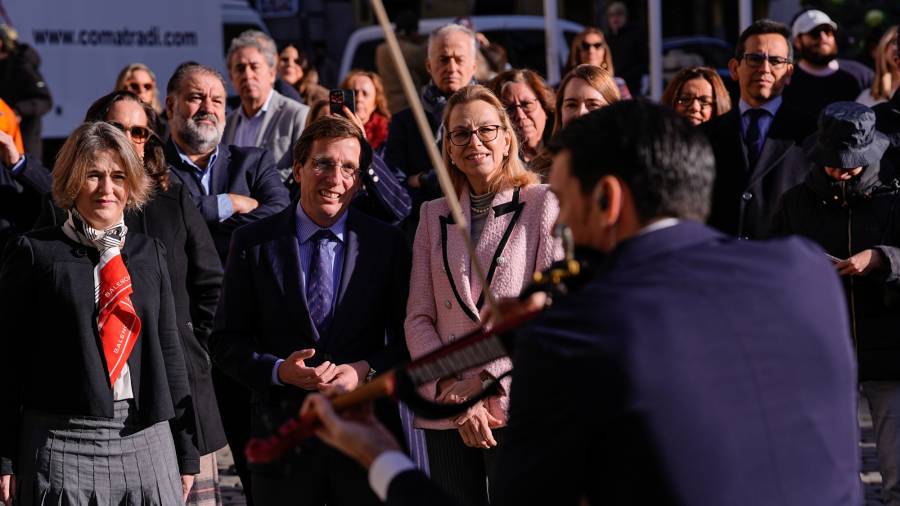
(99, 407)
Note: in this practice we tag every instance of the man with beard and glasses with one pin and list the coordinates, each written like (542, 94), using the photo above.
(231, 185)
(820, 77)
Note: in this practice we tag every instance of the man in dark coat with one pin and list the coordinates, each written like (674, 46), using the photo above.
(850, 205)
(757, 144)
(691, 369)
(231, 186)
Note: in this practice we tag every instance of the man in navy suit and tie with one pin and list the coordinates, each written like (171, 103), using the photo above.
(691, 369)
(313, 300)
(757, 144)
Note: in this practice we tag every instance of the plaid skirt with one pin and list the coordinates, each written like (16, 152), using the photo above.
(75, 460)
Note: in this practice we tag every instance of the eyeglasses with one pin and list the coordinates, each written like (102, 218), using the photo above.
(596, 45)
(705, 101)
(756, 60)
(323, 165)
(136, 87)
(527, 106)
(136, 133)
(485, 133)
(817, 32)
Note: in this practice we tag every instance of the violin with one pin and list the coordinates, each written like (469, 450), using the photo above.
(481, 346)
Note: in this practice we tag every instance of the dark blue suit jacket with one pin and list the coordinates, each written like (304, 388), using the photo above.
(262, 313)
(696, 370)
(243, 171)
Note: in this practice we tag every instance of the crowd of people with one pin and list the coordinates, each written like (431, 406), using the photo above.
(243, 262)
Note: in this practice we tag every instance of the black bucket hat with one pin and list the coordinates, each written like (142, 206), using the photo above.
(846, 137)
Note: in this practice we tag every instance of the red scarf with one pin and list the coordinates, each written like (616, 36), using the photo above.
(117, 322)
(376, 130)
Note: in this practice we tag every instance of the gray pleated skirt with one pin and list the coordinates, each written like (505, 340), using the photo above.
(68, 460)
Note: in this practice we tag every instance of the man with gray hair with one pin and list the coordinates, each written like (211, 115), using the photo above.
(266, 118)
(451, 64)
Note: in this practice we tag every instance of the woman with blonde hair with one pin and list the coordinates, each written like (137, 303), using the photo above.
(371, 105)
(589, 47)
(510, 216)
(887, 73)
(584, 89)
(140, 80)
(698, 94)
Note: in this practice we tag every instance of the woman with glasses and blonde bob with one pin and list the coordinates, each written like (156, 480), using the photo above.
(529, 102)
(698, 94)
(510, 217)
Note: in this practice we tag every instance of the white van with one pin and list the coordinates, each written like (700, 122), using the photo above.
(521, 36)
(83, 44)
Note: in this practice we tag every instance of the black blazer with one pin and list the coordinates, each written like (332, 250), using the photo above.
(262, 315)
(243, 171)
(744, 202)
(697, 370)
(55, 364)
(196, 275)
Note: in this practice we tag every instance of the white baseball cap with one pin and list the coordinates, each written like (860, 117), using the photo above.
(809, 20)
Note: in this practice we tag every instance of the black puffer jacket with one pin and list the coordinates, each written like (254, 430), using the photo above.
(846, 218)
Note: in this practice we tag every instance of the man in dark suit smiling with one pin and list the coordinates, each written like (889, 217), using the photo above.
(313, 300)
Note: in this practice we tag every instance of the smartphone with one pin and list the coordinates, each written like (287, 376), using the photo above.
(340, 98)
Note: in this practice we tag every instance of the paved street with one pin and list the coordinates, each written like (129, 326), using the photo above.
(232, 494)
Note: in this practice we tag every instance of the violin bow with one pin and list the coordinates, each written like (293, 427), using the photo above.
(412, 97)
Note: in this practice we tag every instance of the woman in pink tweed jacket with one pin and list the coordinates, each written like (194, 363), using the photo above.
(511, 217)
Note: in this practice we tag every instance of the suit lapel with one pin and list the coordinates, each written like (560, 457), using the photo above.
(268, 120)
(231, 125)
(502, 217)
(284, 258)
(456, 260)
(778, 142)
(219, 180)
